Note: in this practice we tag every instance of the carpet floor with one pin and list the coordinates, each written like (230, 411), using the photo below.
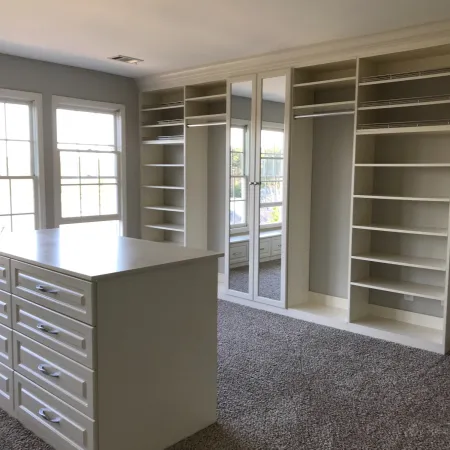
(292, 385)
(285, 384)
(269, 279)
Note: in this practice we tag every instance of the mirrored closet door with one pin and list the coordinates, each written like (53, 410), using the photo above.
(256, 171)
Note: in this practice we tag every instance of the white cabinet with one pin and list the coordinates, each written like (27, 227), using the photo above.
(92, 362)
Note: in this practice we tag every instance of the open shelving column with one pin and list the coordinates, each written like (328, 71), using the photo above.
(163, 166)
(401, 195)
(205, 107)
(323, 107)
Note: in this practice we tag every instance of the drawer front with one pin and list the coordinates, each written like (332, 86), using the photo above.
(6, 389)
(68, 380)
(5, 345)
(264, 248)
(51, 419)
(5, 274)
(276, 246)
(5, 308)
(239, 252)
(67, 336)
(64, 294)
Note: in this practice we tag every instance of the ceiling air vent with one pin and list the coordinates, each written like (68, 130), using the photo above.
(126, 59)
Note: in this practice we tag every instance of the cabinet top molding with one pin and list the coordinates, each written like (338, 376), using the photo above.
(404, 39)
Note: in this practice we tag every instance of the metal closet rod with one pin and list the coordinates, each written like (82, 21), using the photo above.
(324, 114)
(208, 124)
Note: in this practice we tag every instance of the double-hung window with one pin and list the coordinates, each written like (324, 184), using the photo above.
(238, 177)
(89, 152)
(271, 195)
(21, 183)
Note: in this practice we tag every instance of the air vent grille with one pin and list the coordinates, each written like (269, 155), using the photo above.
(126, 59)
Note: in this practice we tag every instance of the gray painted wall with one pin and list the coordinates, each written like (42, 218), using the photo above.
(53, 79)
(330, 205)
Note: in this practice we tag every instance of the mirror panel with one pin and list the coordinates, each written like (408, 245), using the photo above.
(271, 170)
(239, 220)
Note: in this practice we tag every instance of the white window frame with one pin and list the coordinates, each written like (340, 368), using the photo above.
(239, 123)
(99, 107)
(34, 100)
(272, 126)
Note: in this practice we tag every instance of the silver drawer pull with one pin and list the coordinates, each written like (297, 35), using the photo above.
(46, 329)
(235, 254)
(41, 288)
(43, 413)
(42, 368)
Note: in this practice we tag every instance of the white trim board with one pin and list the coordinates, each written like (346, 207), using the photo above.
(362, 327)
(410, 38)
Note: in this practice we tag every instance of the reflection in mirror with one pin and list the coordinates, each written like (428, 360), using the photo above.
(271, 187)
(240, 124)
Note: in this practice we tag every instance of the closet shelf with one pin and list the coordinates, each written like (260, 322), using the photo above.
(206, 124)
(164, 165)
(163, 142)
(404, 76)
(412, 165)
(422, 231)
(208, 98)
(411, 199)
(326, 84)
(405, 261)
(324, 114)
(163, 187)
(410, 127)
(403, 287)
(167, 227)
(166, 208)
(213, 117)
(401, 328)
(405, 102)
(326, 107)
(162, 125)
(174, 105)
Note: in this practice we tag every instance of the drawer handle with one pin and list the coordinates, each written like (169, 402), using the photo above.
(235, 254)
(46, 329)
(43, 413)
(42, 368)
(41, 288)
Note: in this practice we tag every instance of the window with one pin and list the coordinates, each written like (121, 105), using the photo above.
(21, 188)
(238, 178)
(88, 137)
(271, 194)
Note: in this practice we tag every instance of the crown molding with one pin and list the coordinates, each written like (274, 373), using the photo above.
(411, 38)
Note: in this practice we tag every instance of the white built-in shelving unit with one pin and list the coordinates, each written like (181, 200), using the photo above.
(401, 194)
(368, 200)
(163, 166)
(174, 155)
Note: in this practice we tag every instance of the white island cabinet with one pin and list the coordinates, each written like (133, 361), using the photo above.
(107, 343)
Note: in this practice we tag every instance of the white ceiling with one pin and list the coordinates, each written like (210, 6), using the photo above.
(176, 34)
(273, 89)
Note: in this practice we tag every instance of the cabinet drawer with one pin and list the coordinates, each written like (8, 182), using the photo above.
(5, 308)
(68, 380)
(67, 336)
(5, 345)
(5, 274)
(264, 248)
(276, 246)
(61, 293)
(6, 389)
(51, 419)
(239, 252)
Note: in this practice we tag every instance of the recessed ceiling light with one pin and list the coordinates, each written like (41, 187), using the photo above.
(126, 59)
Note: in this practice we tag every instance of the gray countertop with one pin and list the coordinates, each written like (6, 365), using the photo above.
(92, 256)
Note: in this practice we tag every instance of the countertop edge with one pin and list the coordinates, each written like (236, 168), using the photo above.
(99, 277)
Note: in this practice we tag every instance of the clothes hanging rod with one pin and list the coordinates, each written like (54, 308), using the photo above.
(209, 124)
(324, 114)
